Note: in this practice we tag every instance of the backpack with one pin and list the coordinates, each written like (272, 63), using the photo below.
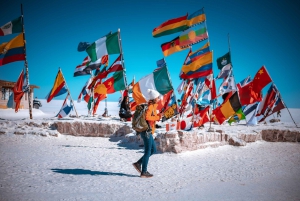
(139, 122)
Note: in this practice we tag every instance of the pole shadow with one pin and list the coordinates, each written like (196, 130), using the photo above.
(89, 172)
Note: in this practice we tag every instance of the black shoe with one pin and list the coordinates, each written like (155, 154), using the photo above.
(146, 175)
(137, 166)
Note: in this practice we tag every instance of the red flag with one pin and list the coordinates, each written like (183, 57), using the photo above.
(100, 98)
(261, 79)
(116, 66)
(201, 117)
(18, 93)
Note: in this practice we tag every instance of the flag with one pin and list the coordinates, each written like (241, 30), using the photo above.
(261, 79)
(104, 46)
(251, 92)
(228, 84)
(192, 57)
(25, 87)
(210, 83)
(224, 60)
(171, 109)
(59, 87)
(84, 90)
(193, 35)
(116, 66)
(180, 86)
(186, 123)
(99, 99)
(14, 26)
(201, 61)
(268, 101)
(160, 63)
(239, 115)
(171, 47)
(253, 119)
(81, 69)
(158, 80)
(18, 91)
(65, 109)
(224, 71)
(111, 85)
(250, 108)
(13, 50)
(171, 26)
(227, 108)
(279, 105)
(201, 117)
(244, 82)
(196, 17)
(82, 46)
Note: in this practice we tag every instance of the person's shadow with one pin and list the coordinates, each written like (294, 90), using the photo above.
(90, 172)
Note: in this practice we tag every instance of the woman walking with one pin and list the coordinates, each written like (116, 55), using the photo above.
(147, 136)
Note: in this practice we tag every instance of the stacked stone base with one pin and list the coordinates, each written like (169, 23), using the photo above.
(180, 141)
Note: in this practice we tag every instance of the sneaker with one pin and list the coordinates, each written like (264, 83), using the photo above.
(146, 175)
(137, 166)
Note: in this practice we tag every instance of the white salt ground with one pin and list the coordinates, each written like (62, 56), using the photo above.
(38, 168)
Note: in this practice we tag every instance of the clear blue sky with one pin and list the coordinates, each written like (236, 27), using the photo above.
(261, 32)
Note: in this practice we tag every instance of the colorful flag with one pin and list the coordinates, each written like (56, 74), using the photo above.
(198, 53)
(224, 60)
(250, 108)
(196, 17)
(65, 109)
(171, 26)
(201, 61)
(201, 117)
(104, 46)
(111, 85)
(239, 115)
(14, 26)
(201, 72)
(99, 99)
(13, 50)
(268, 101)
(253, 120)
(59, 87)
(228, 84)
(171, 108)
(84, 90)
(193, 35)
(171, 47)
(244, 82)
(116, 66)
(261, 79)
(227, 108)
(186, 123)
(81, 69)
(18, 91)
(251, 92)
(158, 80)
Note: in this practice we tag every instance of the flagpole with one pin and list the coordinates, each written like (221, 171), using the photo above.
(122, 58)
(69, 92)
(26, 66)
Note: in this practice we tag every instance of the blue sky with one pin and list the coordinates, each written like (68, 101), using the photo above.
(261, 33)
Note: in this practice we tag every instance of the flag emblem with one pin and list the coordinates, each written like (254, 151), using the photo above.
(224, 61)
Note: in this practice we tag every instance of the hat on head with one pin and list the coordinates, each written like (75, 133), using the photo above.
(152, 94)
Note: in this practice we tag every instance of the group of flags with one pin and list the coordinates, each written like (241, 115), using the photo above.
(12, 51)
(198, 83)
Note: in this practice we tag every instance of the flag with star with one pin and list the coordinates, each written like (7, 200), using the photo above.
(111, 85)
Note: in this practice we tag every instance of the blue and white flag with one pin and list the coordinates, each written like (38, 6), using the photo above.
(224, 72)
(253, 120)
(228, 84)
(65, 109)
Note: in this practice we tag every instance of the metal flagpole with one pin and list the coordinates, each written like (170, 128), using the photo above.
(69, 92)
(26, 66)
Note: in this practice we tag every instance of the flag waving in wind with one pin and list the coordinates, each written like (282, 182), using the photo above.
(18, 91)
(59, 87)
(65, 109)
(14, 26)
(13, 50)
(106, 45)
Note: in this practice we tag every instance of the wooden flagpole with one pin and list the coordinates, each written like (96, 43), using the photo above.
(26, 65)
(69, 92)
